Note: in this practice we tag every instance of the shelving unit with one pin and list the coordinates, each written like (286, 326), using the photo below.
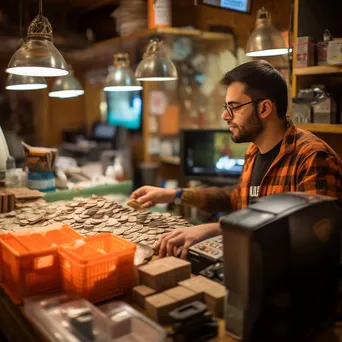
(318, 70)
(306, 76)
(321, 128)
(105, 49)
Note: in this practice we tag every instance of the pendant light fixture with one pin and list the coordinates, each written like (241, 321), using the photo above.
(67, 86)
(19, 82)
(155, 66)
(265, 40)
(121, 77)
(38, 56)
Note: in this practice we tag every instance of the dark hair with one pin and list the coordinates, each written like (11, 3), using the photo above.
(262, 80)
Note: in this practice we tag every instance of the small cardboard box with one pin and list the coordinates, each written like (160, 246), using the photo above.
(182, 295)
(159, 306)
(140, 293)
(305, 52)
(213, 293)
(164, 273)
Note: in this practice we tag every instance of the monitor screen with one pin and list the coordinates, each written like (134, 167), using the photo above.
(124, 108)
(103, 132)
(207, 154)
(235, 5)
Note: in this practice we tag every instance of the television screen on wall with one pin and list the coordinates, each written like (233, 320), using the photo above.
(234, 5)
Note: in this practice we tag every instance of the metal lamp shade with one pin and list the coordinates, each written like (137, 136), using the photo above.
(121, 78)
(19, 82)
(66, 87)
(265, 40)
(38, 56)
(155, 66)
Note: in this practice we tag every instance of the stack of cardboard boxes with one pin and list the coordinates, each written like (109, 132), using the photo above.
(166, 284)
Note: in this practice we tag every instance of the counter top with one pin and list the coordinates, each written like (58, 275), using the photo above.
(17, 328)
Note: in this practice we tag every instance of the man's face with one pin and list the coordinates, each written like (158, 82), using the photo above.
(246, 123)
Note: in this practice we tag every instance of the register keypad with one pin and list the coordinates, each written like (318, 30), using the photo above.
(212, 247)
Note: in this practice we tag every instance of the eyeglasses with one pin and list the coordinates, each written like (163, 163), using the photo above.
(230, 110)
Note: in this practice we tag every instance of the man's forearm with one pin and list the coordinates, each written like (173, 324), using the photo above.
(212, 229)
(209, 199)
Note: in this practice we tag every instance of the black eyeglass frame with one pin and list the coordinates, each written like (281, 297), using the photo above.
(230, 110)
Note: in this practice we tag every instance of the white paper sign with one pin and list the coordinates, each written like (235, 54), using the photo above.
(158, 102)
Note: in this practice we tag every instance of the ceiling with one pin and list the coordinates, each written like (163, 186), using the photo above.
(70, 20)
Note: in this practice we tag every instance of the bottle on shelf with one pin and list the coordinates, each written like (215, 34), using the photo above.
(118, 170)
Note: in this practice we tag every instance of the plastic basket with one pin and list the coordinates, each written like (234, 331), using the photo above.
(30, 262)
(100, 269)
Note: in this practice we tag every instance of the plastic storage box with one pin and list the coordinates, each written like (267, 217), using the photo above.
(100, 268)
(128, 325)
(69, 319)
(30, 263)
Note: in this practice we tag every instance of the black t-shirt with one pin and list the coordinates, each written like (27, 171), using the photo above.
(261, 165)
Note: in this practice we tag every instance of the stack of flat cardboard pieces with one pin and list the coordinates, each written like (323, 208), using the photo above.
(166, 284)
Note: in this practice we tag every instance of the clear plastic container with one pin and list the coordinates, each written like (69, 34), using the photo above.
(69, 319)
(128, 325)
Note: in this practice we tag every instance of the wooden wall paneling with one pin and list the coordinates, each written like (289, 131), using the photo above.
(185, 13)
(92, 99)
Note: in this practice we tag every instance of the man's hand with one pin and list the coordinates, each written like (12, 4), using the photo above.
(177, 243)
(148, 196)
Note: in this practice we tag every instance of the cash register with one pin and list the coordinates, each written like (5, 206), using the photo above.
(282, 260)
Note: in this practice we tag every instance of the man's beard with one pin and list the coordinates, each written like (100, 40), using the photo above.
(250, 130)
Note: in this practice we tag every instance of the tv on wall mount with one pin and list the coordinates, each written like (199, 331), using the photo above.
(243, 6)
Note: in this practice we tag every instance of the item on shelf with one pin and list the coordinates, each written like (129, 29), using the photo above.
(322, 49)
(325, 110)
(334, 53)
(314, 105)
(92, 216)
(159, 13)
(131, 16)
(192, 322)
(305, 52)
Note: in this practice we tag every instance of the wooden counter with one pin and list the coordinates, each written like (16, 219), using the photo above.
(17, 328)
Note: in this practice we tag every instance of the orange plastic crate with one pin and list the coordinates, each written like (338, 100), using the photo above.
(100, 269)
(30, 262)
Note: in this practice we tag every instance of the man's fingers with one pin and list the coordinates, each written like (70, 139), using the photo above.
(145, 198)
(173, 242)
(138, 193)
(185, 250)
(157, 246)
(148, 204)
(164, 242)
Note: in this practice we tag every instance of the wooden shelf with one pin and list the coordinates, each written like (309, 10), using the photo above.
(321, 128)
(170, 160)
(318, 70)
(105, 49)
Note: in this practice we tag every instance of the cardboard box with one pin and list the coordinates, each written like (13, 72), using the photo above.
(159, 306)
(305, 52)
(182, 295)
(164, 273)
(213, 294)
(140, 293)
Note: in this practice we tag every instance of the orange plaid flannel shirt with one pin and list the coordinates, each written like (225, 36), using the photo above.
(304, 163)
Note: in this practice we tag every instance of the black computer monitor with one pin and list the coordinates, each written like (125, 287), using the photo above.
(211, 155)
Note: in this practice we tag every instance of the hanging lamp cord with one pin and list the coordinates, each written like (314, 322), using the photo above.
(40, 8)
